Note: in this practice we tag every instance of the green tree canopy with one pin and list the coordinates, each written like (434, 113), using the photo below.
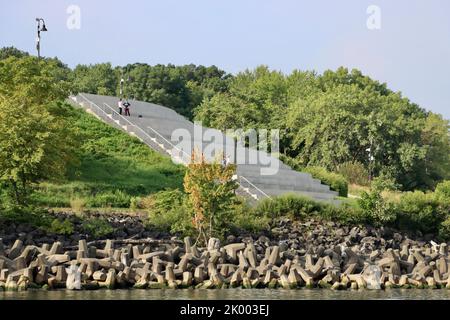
(35, 141)
(329, 119)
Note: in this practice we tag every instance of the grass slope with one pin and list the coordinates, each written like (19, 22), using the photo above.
(113, 168)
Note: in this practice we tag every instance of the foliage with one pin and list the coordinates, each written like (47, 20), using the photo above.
(384, 182)
(7, 52)
(62, 227)
(112, 168)
(290, 205)
(331, 119)
(298, 207)
(78, 205)
(211, 193)
(336, 181)
(354, 172)
(169, 211)
(442, 191)
(181, 88)
(97, 227)
(244, 218)
(377, 210)
(422, 211)
(99, 79)
(35, 141)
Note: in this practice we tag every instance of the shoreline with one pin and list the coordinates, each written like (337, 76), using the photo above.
(307, 254)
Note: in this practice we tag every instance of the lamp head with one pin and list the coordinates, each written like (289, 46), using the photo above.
(44, 28)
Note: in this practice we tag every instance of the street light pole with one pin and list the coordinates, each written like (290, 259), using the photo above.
(40, 28)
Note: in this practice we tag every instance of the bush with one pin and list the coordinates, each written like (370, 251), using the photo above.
(244, 218)
(135, 203)
(354, 172)
(444, 229)
(336, 181)
(384, 182)
(115, 199)
(62, 227)
(97, 227)
(421, 211)
(290, 205)
(442, 191)
(376, 209)
(168, 212)
(78, 205)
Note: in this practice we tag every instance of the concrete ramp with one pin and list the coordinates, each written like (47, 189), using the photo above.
(259, 174)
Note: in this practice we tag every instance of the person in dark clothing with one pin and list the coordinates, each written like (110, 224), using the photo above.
(127, 108)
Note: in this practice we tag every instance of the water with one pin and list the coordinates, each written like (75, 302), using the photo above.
(229, 294)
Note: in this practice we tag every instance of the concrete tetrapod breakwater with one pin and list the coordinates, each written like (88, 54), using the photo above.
(154, 264)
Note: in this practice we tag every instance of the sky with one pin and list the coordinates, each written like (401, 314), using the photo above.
(407, 45)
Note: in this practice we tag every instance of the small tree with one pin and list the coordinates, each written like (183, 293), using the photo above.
(211, 190)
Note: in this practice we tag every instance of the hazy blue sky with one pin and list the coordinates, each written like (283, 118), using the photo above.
(411, 51)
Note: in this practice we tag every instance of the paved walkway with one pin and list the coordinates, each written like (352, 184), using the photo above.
(260, 175)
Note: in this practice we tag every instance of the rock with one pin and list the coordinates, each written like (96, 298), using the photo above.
(199, 274)
(294, 278)
(431, 282)
(187, 279)
(246, 283)
(274, 258)
(443, 250)
(213, 244)
(73, 281)
(403, 281)
(336, 286)
(16, 249)
(99, 275)
(236, 279)
(11, 285)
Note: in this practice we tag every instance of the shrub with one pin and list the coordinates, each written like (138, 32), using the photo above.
(135, 203)
(115, 199)
(384, 182)
(63, 227)
(211, 195)
(354, 172)
(168, 211)
(421, 211)
(442, 191)
(376, 209)
(290, 205)
(78, 205)
(336, 181)
(444, 229)
(97, 227)
(245, 218)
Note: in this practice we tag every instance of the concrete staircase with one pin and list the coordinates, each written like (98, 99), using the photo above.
(155, 125)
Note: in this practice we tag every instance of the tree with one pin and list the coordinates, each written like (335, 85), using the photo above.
(35, 141)
(334, 118)
(97, 79)
(211, 191)
(7, 52)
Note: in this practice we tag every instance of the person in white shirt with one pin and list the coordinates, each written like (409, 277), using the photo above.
(120, 106)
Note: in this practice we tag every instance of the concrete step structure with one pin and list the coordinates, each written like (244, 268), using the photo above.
(259, 174)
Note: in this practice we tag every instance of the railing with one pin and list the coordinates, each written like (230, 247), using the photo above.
(244, 181)
(114, 117)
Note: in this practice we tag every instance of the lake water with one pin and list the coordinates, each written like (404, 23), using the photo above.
(229, 294)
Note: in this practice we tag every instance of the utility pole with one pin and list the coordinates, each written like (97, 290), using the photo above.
(40, 28)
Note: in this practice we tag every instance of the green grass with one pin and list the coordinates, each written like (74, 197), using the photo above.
(113, 168)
